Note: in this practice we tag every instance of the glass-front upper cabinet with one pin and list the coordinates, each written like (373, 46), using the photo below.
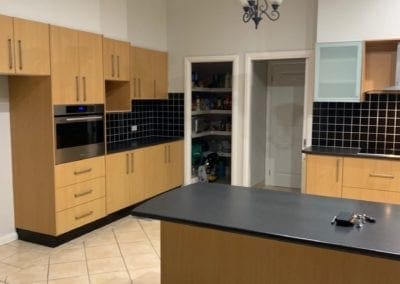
(338, 72)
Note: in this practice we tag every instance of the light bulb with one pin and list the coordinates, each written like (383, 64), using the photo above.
(276, 2)
(244, 3)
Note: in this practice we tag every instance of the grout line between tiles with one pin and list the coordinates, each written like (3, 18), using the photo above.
(147, 236)
(122, 256)
(86, 262)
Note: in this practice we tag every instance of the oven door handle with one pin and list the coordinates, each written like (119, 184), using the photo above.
(83, 118)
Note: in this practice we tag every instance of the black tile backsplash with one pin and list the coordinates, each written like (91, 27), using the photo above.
(152, 117)
(373, 125)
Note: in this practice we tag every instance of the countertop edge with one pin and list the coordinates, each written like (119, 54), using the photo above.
(167, 140)
(319, 244)
(348, 154)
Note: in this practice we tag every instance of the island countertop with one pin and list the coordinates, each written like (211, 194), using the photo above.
(279, 215)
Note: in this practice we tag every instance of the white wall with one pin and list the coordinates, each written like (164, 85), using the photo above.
(6, 194)
(258, 137)
(343, 20)
(147, 23)
(114, 19)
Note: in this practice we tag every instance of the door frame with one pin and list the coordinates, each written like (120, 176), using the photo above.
(308, 56)
(235, 149)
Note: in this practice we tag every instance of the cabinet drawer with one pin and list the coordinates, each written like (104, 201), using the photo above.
(371, 174)
(75, 217)
(75, 172)
(371, 195)
(73, 195)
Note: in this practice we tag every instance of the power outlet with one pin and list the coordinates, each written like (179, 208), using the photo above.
(133, 128)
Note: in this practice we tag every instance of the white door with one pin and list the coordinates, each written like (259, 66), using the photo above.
(285, 106)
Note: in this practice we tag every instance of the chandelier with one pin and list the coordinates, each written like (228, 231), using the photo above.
(254, 11)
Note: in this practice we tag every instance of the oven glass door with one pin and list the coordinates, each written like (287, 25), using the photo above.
(79, 131)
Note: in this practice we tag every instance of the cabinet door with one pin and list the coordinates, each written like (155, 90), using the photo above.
(155, 170)
(174, 176)
(32, 47)
(160, 73)
(118, 183)
(65, 81)
(138, 162)
(109, 59)
(7, 65)
(324, 175)
(91, 68)
(122, 60)
(338, 72)
(144, 74)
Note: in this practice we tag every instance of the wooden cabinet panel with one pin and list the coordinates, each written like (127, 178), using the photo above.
(71, 196)
(118, 183)
(91, 67)
(7, 65)
(160, 73)
(76, 172)
(324, 175)
(174, 176)
(145, 88)
(371, 174)
(75, 217)
(137, 191)
(65, 81)
(32, 47)
(116, 60)
(371, 195)
(155, 170)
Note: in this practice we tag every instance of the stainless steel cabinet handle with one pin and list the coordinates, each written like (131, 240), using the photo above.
(20, 54)
(10, 59)
(84, 88)
(337, 170)
(165, 154)
(134, 87)
(127, 163)
(112, 66)
(381, 175)
(140, 88)
(77, 88)
(84, 215)
(82, 172)
(118, 66)
(77, 195)
(169, 153)
(154, 88)
(132, 163)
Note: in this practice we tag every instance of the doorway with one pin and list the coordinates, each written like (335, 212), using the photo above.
(277, 113)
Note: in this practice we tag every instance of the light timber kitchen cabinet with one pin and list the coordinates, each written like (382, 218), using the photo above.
(24, 47)
(77, 60)
(359, 178)
(149, 72)
(134, 176)
(116, 60)
(324, 175)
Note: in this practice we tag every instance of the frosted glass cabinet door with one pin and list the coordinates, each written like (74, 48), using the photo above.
(338, 72)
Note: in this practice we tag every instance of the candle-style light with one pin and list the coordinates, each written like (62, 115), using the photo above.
(253, 10)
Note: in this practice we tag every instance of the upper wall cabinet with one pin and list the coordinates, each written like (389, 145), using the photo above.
(149, 74)
(116, 60)
(77, 60)
(24, 47)
(338, 72)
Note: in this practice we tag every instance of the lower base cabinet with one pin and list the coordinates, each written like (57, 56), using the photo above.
(134, 176)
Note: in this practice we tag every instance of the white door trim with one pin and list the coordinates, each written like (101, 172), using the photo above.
(235, 112)
(308, 55)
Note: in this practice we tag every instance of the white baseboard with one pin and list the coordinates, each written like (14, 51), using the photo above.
(8, 238)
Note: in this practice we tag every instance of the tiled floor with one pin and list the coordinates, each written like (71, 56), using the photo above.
(278, 188)
(126, 251)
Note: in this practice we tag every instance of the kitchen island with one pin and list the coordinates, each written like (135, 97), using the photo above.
(226, 234)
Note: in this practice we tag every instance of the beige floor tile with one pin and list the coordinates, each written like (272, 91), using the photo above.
(65, 270)
(6, 269)
(24, 259)
(130, 237)
(146, 276)
(153, 234)
(136, 248)
(103, 251)
(30, 246)
(139, 261)
(71, 280)
(101, 238)
(30, 274)
(112, 264)
(112, 277)
(7, 251)
(149, 224)
(68, 255)
(157, 246)
(127, 225)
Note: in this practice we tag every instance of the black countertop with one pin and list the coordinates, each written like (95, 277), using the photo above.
(281, 215)
(139, 143)
(353, 152)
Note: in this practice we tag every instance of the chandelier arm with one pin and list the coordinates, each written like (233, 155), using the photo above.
(274, 15)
